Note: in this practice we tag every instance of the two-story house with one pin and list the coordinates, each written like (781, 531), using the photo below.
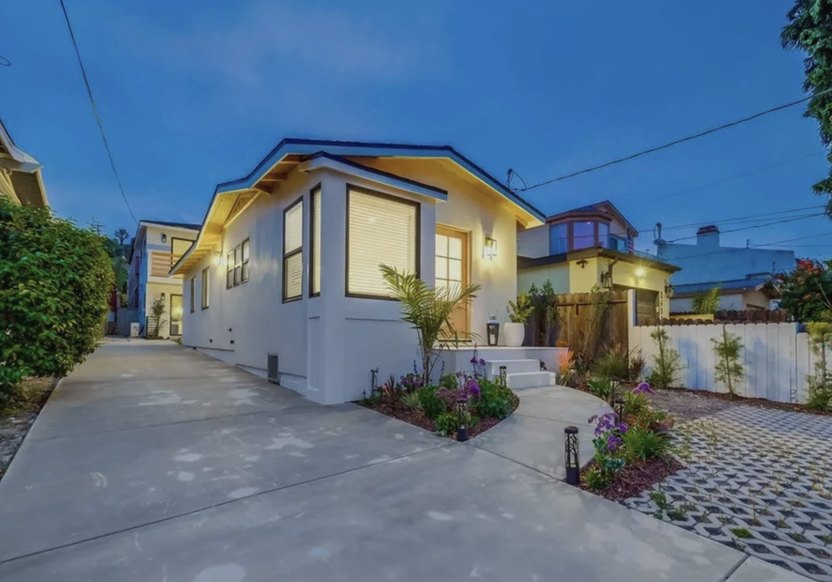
(156, 247)
(592, 247)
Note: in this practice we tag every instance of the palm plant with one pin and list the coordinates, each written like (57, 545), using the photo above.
(706, 302)
(428, 310)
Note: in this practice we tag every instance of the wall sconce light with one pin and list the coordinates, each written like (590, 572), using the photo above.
(640, 272)
(583, 263)
(489, 250)
(668, 289)
(216, 260)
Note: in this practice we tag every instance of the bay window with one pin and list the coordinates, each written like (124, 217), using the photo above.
(381, 230)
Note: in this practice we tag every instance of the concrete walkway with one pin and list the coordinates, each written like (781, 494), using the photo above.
(152, 462)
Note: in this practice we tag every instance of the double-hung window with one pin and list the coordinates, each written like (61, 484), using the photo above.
(205, 289)
(293, 251)
(315, 243)
(236, 265)
(381, 230)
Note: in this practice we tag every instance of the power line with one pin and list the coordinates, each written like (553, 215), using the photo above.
(734, 249)
(738, 219)
(780, 221)
(676, 141)
(734, 177)
(95, 112)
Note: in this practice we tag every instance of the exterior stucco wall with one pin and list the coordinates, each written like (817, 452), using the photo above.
(727, 302)
(328, 344)
(557, 274)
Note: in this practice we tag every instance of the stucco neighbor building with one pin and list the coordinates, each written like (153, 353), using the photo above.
(156, 246)
(284, 281)
(593, 247)
(20, 174)
(741, 273)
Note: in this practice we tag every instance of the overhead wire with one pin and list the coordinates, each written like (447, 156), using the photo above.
(676, 142)
(96, 114)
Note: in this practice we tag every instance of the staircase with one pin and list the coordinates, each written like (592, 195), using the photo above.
(521, 374)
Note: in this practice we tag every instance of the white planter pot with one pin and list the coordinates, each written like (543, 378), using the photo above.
(513, 334)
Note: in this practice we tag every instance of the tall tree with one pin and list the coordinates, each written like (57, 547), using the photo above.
(810, 30)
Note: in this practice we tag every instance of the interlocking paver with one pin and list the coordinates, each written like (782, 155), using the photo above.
(757, 479)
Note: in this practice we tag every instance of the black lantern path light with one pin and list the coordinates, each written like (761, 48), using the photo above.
(618, 406)
(503, 376)
(573, 467)
(462, 419)
(492, 331)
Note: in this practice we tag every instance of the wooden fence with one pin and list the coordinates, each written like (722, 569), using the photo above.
(578, 326)
(720, 317)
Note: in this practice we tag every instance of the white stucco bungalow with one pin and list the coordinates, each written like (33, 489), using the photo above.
(283, 278)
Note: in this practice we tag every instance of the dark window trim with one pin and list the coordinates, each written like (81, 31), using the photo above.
(312, 265)
(205, 288)
(289, 255)
(417, 205)
(192, 293)
(230, 266)
(244, 262)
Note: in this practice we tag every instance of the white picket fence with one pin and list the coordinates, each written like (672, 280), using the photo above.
(777, 358)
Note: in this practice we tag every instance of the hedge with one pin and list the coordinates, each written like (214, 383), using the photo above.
(55, 281)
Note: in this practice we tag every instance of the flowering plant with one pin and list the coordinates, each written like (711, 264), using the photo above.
(609, 433)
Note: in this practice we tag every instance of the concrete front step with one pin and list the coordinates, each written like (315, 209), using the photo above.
(492, 367)
(521, 380)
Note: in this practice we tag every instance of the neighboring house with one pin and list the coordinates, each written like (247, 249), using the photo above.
(742, 274)
(593, 247)
(155, 248)
(20, 174)
(753, 293)
(284, 276)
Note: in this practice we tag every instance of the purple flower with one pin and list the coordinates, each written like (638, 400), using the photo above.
(482, 362)
(472, 387)
(614, 442)
(474, 360)
(643, 388)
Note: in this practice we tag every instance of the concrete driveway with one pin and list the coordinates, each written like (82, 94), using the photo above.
(153, 462)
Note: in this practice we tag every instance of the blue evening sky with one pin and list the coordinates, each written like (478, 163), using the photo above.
(196, 92)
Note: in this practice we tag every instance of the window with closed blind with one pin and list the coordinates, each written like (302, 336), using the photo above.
(293, 251)
(315, 242)
(381, 230)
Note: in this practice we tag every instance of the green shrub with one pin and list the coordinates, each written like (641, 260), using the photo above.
(412, 400)
(667, 363)
(55, 282)
(448, 422)
(495, 401)
(449, 381)
(601, 387)
(430, 403)
(729, 369)
(641, 444)
(819, 396)
(706, 303)
(598, 478)
(613, 364)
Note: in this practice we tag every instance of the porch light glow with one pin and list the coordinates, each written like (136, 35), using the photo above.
(640, 272)
(216, 260)
(489, 250)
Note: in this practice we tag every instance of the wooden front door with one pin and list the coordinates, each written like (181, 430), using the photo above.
(452, 257)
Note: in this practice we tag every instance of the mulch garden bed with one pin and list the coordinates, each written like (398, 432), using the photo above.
(398, 410)
(633, 479)
(688, 404)
(16, 421)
